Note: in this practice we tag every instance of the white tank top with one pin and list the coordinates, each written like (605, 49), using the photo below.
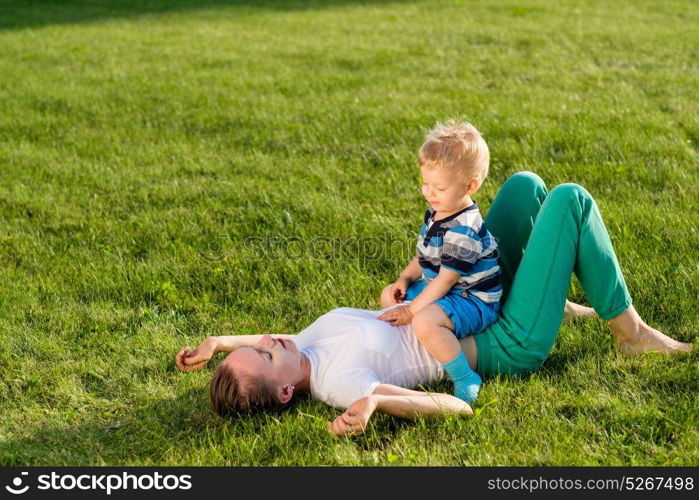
(351, 352)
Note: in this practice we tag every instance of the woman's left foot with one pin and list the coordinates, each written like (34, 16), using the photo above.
(649, 339)
(633, 336)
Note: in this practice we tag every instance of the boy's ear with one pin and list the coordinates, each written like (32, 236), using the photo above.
(472, 186)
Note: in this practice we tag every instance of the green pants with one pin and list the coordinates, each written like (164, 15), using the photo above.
(543, 238)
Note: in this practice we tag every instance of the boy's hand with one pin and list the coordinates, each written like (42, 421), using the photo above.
(399, 289)
(398, 316)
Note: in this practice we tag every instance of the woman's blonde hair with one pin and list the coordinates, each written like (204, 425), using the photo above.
(456, 145)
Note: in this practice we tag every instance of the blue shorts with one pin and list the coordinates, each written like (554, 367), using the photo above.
(469, 314)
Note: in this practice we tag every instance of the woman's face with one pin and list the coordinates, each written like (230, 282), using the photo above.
(277, 361)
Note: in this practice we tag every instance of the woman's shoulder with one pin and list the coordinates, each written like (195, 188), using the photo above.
(353, 313)
(337, 321)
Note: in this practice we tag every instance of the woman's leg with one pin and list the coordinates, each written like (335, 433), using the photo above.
(511, 219)
(568, 236)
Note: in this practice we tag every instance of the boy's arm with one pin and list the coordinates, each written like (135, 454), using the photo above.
(435, 289)
(412, 271)
(466, 251)
(409, 275)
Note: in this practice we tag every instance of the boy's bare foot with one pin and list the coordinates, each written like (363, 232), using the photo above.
(577, 311)
(633, 336)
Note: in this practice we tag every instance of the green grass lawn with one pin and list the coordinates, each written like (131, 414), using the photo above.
(141, 142)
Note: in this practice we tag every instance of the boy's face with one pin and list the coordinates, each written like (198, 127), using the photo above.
(444, 190)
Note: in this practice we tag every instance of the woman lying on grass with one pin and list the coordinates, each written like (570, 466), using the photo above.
(350, 359)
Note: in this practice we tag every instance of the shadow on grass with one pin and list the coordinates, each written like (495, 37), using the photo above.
(18, 14)
(561, 361)
(163, 430)
(144, 432)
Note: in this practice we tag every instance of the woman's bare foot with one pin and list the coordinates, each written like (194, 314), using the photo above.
(577, 311)
(633, 336)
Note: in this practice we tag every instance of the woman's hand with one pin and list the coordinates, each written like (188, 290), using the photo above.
(398, 290)
(188, 359)
(355, 418)
(398, 316)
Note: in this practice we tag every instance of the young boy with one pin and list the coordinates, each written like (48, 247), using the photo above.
(459, 293)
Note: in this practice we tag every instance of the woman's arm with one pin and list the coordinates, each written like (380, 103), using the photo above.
(189, 359)
(399, 402)
(406, 403)
(229, 343)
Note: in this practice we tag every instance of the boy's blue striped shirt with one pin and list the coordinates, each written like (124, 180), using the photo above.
(461, 243)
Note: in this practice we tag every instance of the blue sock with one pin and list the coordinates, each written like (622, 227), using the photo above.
(467, 383)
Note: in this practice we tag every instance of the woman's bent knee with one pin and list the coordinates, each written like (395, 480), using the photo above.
(525, 180)
(569, 191)
(571, 198)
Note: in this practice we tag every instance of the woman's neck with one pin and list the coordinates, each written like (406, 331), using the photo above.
(304, 384)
